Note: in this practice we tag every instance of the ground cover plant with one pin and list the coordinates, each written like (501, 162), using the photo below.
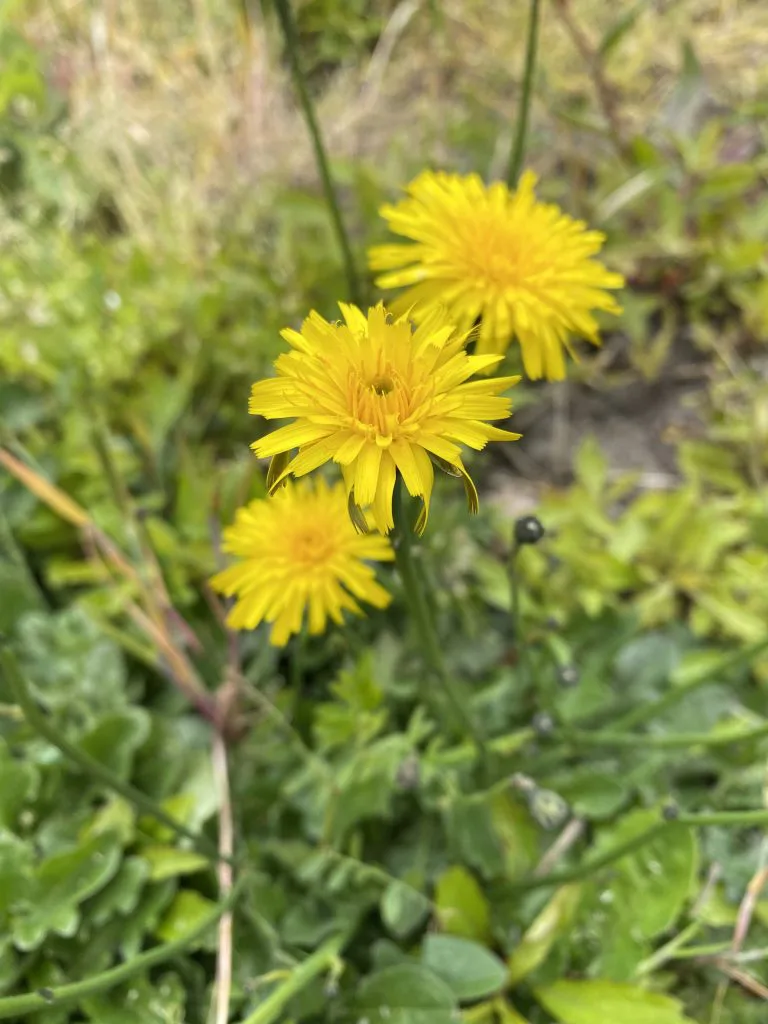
(365, 701)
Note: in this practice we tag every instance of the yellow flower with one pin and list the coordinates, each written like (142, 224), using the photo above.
(299, 551)
(378, 397)
(524, 267)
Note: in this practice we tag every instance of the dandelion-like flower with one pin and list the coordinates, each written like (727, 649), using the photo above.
(299, 552)
(524, 267)
(380, 398)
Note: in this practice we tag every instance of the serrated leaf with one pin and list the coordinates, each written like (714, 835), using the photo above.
(16, 868)
(58, 887)
(471, 970)
(18, 783)
(601, 1002)
(121, 895)
(116, 738)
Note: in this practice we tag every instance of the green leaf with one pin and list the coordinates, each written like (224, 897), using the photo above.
(607, 1002)
(591, 467)
(405, 994)
(552, 922)
(595, 796)
(187, 911)
(471, 971)
(117, 816)
(403, 908)
(140, 1002)
(18, 783)
(169, 862)
(651, 885)
(461, 906)
(122, 894)
(58, 887)
(116, 738)
(619, 29)
(518, 834)
(18, 594)
(15, 870)
(471, 832)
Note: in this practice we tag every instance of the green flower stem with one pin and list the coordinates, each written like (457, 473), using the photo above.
(288, 27)
(591, 864)
(421, 614)
(521, 128)
(646, 712)
(38, 721)
(720, 949)
(272, 1007)
(668, 950)
(723, 819)
(668, 741)
(517, 623)
(14, 1007)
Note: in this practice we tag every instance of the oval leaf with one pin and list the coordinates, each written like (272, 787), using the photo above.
(590, 1002)
(461, 905)
(403, 908)
(470, 969)
(405, 994)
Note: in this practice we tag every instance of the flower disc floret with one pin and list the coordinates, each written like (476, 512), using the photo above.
(525, 268)
(378, 397)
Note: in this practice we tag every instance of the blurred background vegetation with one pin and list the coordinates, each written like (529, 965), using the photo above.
(160, 222)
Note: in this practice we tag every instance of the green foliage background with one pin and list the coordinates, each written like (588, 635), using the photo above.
(142, 289)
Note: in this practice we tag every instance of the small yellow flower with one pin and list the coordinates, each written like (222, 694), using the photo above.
(299, 551)
(524, 267)
(378, 397)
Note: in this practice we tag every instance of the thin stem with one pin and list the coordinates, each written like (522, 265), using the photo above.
(517, 621)
(290, 36)
(13, 1007)
(272, 1007)
(669, 741)
(668, 950)
(645, 712)
(724, 818)
(592, 864)
(421, 614)
(603, 89)
(223, 987)
(88, 764)
(521, 128)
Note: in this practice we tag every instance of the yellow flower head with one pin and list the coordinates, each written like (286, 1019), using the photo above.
(377, 397)
(299, 551)
(524, 267)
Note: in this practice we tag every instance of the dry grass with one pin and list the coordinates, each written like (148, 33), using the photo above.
(183, 114)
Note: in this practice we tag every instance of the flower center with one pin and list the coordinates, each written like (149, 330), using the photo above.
(310, 547)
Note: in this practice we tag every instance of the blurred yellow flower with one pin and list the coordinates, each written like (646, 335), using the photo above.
(378, 397)
(299, 551)
(524, 267)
